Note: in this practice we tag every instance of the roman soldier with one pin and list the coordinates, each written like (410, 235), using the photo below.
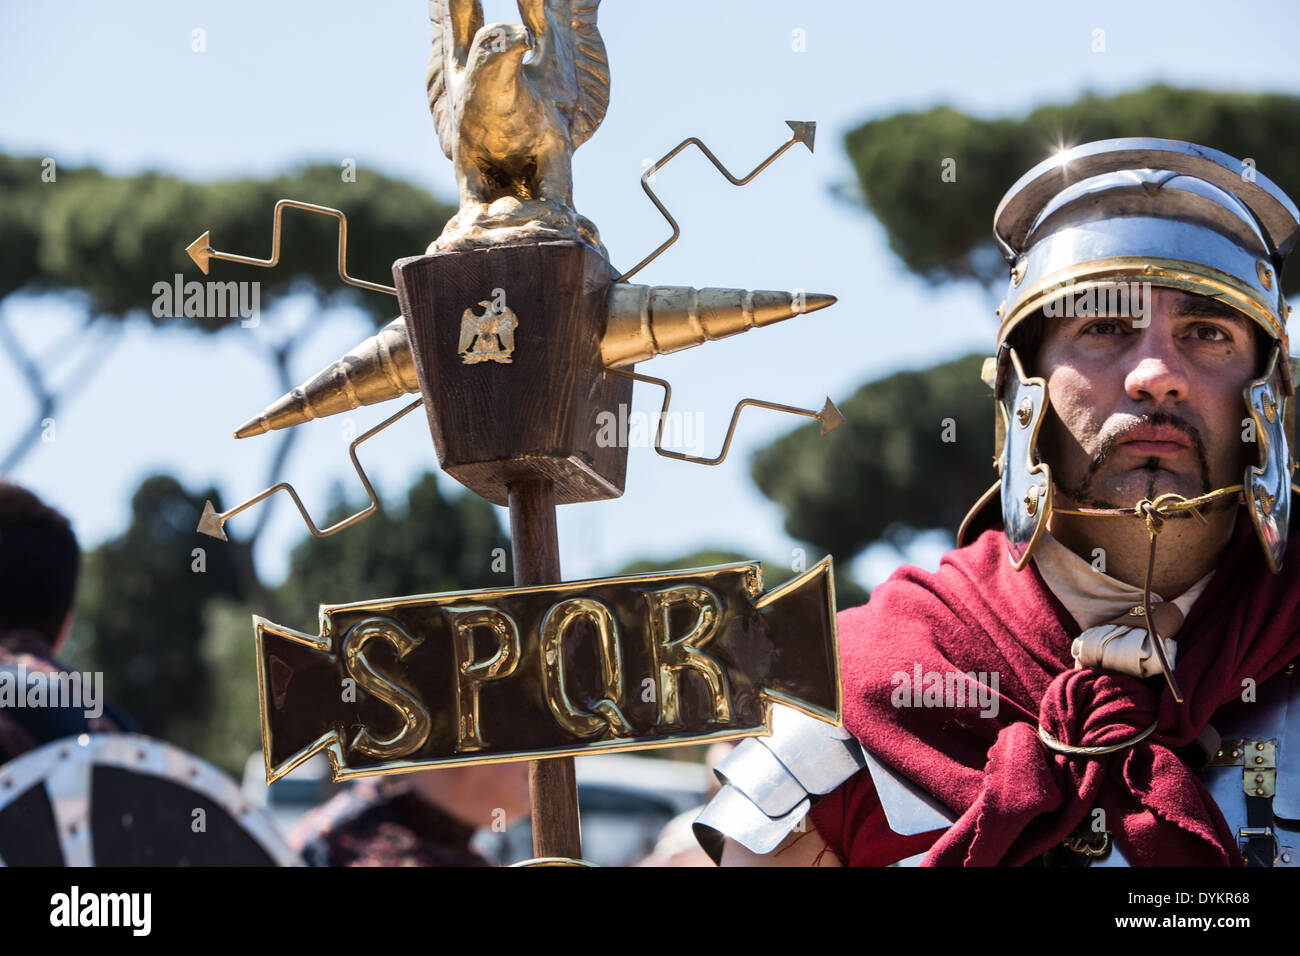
(1107, 678)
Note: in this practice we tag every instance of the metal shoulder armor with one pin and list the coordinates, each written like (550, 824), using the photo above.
(769, 783)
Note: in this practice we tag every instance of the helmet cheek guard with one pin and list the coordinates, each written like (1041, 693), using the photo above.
(1153, 212)
(1026, 485)
(1267, 485)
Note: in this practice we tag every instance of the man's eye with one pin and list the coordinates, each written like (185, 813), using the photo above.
(1211, 333)
(1105, 327)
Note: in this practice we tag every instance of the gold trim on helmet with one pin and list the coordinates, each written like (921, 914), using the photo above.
(1167, 273)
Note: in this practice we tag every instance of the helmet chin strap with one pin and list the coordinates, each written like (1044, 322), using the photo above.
(1154, 512)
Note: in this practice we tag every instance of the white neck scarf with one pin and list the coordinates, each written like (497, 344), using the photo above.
(1095, 599)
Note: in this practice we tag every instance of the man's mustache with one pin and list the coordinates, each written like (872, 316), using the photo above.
(1160, 419)
(1112, 441)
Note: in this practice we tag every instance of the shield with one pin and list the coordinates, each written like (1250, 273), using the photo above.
(129, 800)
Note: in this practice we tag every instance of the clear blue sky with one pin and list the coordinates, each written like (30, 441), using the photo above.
(118, 84)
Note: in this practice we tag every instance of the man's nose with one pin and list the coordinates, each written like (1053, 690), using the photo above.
(1157, 373)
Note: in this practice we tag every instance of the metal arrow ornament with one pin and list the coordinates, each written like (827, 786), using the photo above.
(201, 251)
(803, 132)
(212, 522)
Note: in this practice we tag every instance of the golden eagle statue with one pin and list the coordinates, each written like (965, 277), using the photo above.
(510, 123)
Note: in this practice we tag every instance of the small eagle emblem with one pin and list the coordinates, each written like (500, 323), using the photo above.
(487, 337)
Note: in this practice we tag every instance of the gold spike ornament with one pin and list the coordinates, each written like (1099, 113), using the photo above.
(378, 369)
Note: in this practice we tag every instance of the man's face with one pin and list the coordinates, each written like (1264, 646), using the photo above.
(1139, 411)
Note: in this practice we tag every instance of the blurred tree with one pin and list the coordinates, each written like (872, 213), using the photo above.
(914, 452)
(433, 544)
(164, 632)
(140, 610)
(111, 239)
(943, 229)
(229, 730)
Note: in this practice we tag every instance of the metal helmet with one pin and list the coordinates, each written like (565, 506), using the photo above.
(1152, 211)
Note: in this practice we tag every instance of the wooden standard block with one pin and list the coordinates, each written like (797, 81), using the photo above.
(495, 422)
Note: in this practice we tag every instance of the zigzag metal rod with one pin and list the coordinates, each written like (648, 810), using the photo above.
(802, 132)
(201, 251)
(213, 522)
(829, 417)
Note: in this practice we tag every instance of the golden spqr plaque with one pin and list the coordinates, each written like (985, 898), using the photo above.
(607, 664)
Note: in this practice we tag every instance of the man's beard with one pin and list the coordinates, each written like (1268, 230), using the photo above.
(1086, 497)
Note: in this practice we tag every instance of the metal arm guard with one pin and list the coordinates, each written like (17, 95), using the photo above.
(769, 783)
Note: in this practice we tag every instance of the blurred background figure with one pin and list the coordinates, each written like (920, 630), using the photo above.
(39, 560)
(418, 819)
(625, 802)
(78, 785)
(677, 845)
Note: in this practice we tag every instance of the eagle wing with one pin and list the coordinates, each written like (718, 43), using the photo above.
(454, 24)
(506, 325)
(570, 60)
(470, 327)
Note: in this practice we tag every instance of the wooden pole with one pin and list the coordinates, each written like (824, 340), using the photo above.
(552, 787)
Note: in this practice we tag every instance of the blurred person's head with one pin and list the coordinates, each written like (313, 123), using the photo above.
(677, 844)
(39, 560)
(483, 796)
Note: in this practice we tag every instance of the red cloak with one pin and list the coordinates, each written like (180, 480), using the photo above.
(1014, 798)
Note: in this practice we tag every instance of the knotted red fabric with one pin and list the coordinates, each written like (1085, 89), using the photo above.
(1016, 798)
